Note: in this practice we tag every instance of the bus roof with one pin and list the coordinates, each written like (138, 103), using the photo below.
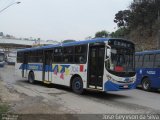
(148, 52)
(70, 44)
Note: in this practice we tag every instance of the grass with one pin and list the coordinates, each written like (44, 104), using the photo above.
(3, 108)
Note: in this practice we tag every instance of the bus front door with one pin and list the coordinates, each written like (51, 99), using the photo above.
(47, 67)
(96, 66)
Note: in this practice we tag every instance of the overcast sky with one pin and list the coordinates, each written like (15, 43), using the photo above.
(59, 19)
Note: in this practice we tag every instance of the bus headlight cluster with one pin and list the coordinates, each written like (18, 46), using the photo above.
(132, 79)
(110, 78)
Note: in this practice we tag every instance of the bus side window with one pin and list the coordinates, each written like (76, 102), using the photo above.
(20, 57)
(57, 56)
(40, 56)
(157, 61)
(68, 54)
(137, 60)
(35, 56)
(80, 59)
(151, 61)
(148, 61)
(80, 54)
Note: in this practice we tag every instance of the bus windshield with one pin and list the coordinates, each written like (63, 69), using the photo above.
(122, 60)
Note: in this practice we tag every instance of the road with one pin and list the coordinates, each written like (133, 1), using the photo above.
(40, 98)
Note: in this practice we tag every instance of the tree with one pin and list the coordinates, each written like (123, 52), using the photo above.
(120, 33)
(102, 33)
(67, 41)
(144, 13)
(122, 18)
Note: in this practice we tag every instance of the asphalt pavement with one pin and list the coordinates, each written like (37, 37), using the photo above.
(40, 98)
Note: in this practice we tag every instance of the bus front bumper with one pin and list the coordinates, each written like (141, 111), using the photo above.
(110, 86)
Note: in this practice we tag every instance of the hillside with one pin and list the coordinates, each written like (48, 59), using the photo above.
(140, 23)
(146, 39)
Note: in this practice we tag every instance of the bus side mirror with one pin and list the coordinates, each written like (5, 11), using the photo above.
(108, 52)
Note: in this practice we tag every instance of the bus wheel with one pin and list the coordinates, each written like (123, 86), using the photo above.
(77, 85)
(146, 85)
(31, 78)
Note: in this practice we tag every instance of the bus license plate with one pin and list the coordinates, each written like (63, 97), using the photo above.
(125, 86)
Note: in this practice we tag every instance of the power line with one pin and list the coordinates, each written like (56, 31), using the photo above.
(9, 6)
(5, 3)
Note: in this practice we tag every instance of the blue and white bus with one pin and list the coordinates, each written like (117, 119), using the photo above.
(99, 64)
(148, 69)
(2, 59)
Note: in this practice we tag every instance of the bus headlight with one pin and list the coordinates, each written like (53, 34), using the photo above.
(111, 79)
(132, 79)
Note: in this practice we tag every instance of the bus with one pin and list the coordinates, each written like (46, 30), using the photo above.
(2, 59)
(101, 64)
(148, 69)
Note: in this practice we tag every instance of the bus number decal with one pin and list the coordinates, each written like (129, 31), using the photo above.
(75, 69)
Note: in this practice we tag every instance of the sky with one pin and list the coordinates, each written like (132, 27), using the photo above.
(59, 19)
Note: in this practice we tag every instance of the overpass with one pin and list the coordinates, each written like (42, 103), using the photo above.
(15, 43)
(8, 44)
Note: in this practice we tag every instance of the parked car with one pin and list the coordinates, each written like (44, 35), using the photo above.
(2, 59)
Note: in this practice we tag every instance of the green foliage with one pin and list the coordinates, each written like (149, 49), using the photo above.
(3, 108)
(67, 41)
(143, 14)
(120, 33)
(102, 33)
(140, 23)
(122, 18)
